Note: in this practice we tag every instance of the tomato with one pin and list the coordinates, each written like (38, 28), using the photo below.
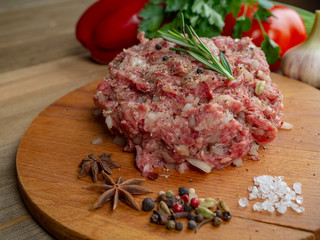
(108, 26)
(286, 28)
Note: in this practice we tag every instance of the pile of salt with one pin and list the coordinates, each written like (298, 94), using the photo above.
(275, 193)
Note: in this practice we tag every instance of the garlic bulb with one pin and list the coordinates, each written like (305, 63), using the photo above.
(303, 61)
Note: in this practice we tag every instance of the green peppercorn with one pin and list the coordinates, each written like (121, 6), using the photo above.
(216, 221)
(227, 216)
(179, 226)
(183, 191)
(170, 194)
(192, 224)
(148, 204)
(162, 192)
(171, 224)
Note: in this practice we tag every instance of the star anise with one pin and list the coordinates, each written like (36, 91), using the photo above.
(118, 190)
(94, 165)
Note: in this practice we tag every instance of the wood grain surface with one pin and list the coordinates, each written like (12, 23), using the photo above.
(57, 140)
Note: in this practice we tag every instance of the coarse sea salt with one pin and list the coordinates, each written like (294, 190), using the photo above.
(275, 193)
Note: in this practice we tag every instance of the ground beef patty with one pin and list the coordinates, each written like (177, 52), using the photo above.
(172, 110)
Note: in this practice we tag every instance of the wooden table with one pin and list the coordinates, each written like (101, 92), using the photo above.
(40, 61)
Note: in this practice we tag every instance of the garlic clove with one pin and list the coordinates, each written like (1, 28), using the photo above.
(303, 61)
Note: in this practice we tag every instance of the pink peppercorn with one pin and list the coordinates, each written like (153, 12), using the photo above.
(177, 208)
(195, 202)
(185, 198)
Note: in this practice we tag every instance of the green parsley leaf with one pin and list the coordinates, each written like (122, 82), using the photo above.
(206, 30)
(271, 49)
(206, 11)
(262, 14)
(234, 7)
(243, 24)
(153, 15)
(175, 5)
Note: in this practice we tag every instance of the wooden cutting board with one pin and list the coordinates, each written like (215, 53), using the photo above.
(57, 140)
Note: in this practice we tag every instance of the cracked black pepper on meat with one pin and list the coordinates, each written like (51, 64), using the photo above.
(171, 113)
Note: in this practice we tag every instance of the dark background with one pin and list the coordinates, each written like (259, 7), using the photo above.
(310, 5)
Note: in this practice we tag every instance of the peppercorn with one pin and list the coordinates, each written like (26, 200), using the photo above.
(227, 216)
(162, 192)
(219, 213)
(200, 70)
(185, 198)
(179, 226)
(171, 224)
(177, 208)
(192, 224)
(148, 204)
(191, 216)
(192, 190)
(195, 202)
(183, 191)
(216, 221)
(165, 58)
(199, 218)
(170, 194)
(158, 46)
(187, 207)
(154, 218)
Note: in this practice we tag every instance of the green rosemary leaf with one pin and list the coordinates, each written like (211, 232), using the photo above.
(205, 62)
(197, 49)
(225, 63)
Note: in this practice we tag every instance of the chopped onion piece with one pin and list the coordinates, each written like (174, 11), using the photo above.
(286, 126)
(254, 149)
(109, 122)
(97, 140)
(200, 164)
(237, 162)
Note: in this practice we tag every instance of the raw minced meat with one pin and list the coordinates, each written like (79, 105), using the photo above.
(172, 113)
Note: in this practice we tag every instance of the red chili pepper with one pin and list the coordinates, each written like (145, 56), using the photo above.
(286, 28)
(108, 26)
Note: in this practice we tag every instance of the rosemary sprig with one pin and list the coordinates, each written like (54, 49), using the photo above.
(195, 47)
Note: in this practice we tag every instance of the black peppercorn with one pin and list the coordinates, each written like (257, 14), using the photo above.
(192, 224)
(154, 218)
(148, 204)
(179, 226)
(199, 218)
(219, 213)
(187, 207)
(216, 221)
(227, 216)
(183, 191)
(191, 216)
(200, 70)
(158, 46)
(165, 58)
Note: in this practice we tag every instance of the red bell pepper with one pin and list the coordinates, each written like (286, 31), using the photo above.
(286, 28)
(108, 26)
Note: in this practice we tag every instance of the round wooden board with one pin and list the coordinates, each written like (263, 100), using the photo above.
(57, 140)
